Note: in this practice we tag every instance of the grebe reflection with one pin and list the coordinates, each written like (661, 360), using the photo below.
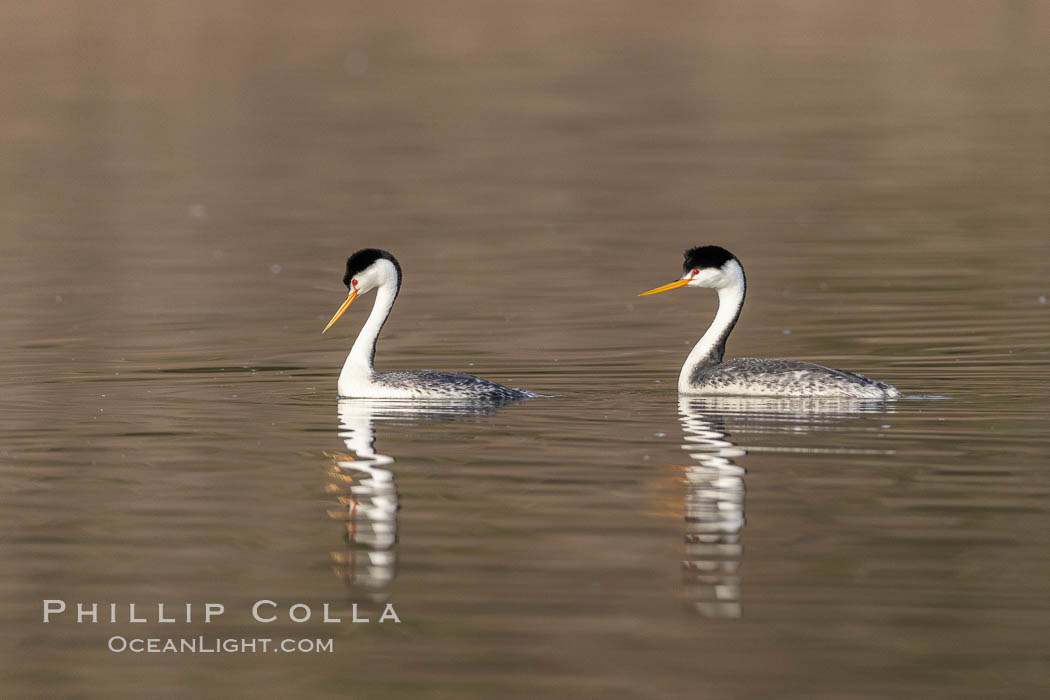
(364, 484)
(714, 483)
(714, 513)
(368, 502)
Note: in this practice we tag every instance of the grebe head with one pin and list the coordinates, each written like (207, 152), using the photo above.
(707, 266)
(368, 269)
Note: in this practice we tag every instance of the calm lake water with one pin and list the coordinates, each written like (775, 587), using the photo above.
(180, 187)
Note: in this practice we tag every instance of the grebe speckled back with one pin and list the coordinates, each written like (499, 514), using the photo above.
(705, 373)
(370, 269)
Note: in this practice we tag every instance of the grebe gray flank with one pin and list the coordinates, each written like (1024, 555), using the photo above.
(704, 372)
(370, 269)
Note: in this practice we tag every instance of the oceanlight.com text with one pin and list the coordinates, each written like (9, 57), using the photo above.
(215, 645)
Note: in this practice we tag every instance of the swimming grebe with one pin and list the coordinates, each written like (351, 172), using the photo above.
(704, 372)
(370, 269)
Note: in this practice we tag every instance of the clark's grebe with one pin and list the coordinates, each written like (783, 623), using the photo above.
(370, 269)
(705, 373)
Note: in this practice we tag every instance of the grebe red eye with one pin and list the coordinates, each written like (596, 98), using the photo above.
(695, 272)
(354, 283)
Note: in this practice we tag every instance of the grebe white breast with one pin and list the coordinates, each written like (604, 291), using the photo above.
(704, 372)
(370, 269)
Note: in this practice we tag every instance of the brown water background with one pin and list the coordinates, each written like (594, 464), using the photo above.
(180, 184)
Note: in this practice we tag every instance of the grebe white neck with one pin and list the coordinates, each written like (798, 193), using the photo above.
(731, 285)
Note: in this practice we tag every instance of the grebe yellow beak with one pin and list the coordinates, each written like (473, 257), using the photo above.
(666, 288)
(342, 310)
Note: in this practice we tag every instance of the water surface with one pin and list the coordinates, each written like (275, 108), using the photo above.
(182, 184)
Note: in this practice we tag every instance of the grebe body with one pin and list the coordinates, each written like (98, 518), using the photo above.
(370, 269)
(705, 373)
